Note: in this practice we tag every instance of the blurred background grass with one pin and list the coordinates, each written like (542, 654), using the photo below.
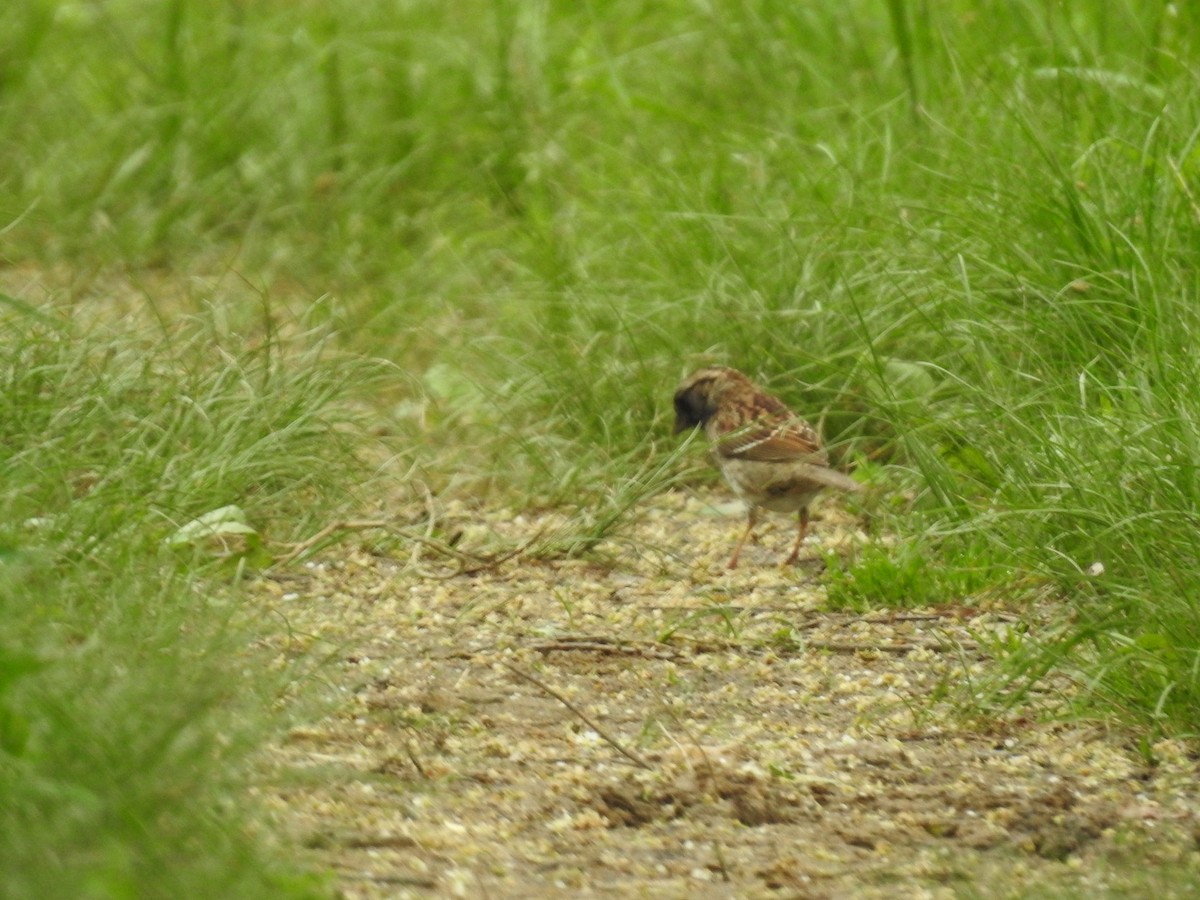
(966, 234)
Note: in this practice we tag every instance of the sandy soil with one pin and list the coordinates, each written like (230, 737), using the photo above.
(647, 724)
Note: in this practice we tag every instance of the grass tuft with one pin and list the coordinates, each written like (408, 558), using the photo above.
(129, 697)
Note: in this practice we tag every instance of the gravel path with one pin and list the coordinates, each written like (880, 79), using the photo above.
(651, 725)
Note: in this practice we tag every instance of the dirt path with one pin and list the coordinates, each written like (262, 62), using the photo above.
(728, 737)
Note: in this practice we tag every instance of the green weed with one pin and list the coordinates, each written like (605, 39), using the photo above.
(129, 700)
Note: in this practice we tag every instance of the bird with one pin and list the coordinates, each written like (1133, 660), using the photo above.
(771, 457)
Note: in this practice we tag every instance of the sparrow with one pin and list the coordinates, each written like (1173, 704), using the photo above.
(771, 457)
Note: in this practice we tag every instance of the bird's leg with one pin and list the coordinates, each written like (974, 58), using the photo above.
(751, 518)
(801, 531)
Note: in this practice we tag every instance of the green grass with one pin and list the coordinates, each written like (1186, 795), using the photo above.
(965, 235)
(129, 700)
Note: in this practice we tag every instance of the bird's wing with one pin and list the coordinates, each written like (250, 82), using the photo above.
(793, 444)
(787, 441)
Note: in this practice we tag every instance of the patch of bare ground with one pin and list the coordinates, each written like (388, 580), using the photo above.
(656, 726)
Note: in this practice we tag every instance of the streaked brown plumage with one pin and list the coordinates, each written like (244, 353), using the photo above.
(771, 457)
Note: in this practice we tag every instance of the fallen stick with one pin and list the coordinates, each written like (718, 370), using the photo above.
(611, 741)
(299, 549)
(863, 647)
(603, 645)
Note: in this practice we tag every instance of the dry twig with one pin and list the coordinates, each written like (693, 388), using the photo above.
(604, 645)
(400, 880)
(299, 549)
(477, 563)
(863, 647)
(609, 739)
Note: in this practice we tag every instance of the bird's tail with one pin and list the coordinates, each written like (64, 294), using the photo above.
(831, 478)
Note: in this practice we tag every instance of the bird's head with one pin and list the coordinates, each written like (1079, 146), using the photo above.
(699, 395)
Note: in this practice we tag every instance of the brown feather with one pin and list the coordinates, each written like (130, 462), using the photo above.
(782, 443)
